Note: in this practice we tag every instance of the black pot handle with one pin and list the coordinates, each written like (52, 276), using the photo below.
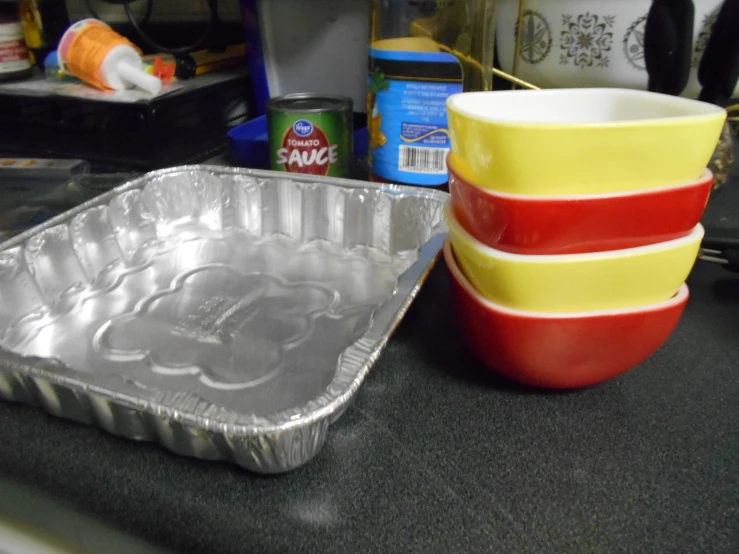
(719, 68)
(668, 45)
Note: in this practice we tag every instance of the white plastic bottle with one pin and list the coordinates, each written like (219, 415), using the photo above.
(93, 52)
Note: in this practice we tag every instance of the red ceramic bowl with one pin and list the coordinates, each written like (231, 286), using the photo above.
(578, 224)
(560, 350)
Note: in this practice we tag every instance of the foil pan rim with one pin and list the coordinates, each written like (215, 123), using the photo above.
(139, 182)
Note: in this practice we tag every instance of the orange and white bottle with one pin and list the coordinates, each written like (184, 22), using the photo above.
(93, 52)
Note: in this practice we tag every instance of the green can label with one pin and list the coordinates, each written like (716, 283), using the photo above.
(315, 144)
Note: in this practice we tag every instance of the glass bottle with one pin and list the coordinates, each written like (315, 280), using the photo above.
(421, 52)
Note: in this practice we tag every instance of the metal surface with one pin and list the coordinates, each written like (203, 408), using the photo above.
(303, 102)
(228, 314)
(26, 204)
(721, 245)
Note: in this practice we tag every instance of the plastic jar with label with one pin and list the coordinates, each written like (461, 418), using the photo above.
(421, 52)
(15, 63)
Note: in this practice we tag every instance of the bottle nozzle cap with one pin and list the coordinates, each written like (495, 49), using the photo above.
(137, 76)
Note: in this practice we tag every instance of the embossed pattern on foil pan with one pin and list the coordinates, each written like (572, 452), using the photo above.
(226, 313)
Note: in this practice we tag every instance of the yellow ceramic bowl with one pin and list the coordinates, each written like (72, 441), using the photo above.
(580, 141)
(575, 282)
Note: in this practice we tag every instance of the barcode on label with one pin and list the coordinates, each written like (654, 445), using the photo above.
(422, 160)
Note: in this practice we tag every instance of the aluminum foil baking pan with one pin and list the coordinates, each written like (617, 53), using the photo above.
(226, 313)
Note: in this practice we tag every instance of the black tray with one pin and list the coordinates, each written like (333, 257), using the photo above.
(185, 126)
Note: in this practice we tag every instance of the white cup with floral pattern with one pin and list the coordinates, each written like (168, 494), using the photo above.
(589, 43)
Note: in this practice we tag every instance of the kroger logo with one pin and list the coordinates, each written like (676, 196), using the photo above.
(302, 127)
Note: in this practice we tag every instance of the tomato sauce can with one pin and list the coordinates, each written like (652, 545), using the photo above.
(311, 134)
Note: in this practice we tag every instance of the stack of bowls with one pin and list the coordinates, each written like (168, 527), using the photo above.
(573, 224)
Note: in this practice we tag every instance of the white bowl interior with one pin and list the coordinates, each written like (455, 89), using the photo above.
(458, 276)
(577, 106)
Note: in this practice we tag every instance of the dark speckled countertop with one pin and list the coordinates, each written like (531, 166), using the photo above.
(438, 456)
